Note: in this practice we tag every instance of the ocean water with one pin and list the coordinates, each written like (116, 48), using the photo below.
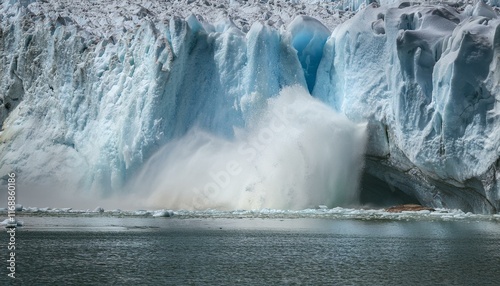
(104, 250)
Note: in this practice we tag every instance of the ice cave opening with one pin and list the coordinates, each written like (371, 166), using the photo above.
(374, 192)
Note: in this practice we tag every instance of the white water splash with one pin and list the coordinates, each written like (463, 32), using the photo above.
(296, 152)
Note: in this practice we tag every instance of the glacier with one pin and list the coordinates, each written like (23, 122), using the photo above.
(97, 98)
(425, 77)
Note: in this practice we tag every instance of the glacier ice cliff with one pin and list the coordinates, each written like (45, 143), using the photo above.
(88, 107)
(426, 79)
(87, 110)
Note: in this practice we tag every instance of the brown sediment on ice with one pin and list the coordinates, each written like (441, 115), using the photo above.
(408, 207)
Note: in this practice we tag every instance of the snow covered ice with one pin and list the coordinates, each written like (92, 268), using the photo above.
(92, 91)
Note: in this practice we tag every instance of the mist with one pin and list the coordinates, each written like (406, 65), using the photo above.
(295, 152)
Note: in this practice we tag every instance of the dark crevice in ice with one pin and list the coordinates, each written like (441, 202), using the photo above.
(375, 192)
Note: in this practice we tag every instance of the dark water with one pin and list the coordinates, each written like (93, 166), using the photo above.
(169, 251)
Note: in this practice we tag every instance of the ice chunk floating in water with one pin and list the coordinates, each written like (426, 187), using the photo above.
(294, 152)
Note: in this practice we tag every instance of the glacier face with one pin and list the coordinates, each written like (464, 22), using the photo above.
(86, 111)
(88, 107)
(426, 79)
